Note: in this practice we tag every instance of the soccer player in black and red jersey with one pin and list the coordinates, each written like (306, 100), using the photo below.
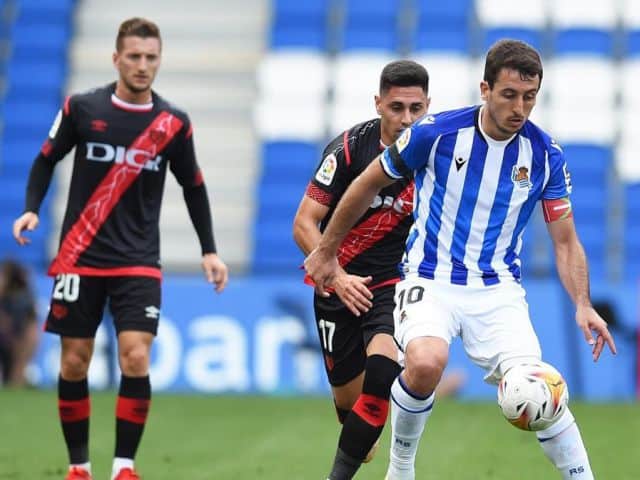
(359, 351)
(125, 136)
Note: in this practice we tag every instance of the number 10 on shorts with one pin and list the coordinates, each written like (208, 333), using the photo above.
(327, 329)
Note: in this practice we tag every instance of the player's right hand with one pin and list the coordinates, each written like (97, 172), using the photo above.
(353, 291)
(28, 221)
(322, 267)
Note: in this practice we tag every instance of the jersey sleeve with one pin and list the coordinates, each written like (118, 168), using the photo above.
(185, 168)
(333, 174)
(410, 152)
(183, 163)
(61, 139)
(559, 183)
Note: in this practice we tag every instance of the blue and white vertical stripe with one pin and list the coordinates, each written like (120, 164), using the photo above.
(474, 195)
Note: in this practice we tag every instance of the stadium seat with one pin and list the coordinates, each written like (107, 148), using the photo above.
(358, 75)
(345, 114)
(577, 13)
(371, 25)
(529, 15)
(50, 11)
(575, 124)
(289, 162)
(37, 74)
(567, 86)
(589, 164)
(533, 37)
(444, 26)
(630, 14)
(631, 265)
(626, 160)
(40, 41)
(17, 157)
(447, 94)
(585, 41)
(299, 24)
(275, 120)
(275, 251)
(294, 73)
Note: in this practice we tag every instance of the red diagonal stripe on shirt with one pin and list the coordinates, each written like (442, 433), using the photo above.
(374, 228)
(107, 194)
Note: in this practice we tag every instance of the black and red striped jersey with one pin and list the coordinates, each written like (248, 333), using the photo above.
(122, 151)
(374, 246)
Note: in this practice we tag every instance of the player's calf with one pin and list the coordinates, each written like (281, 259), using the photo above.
(365, 422)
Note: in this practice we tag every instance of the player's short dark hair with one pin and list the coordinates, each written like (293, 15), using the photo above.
(404, 73)
(137, 27)
(514, 55)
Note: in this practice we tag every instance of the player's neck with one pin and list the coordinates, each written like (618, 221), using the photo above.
(127, 95)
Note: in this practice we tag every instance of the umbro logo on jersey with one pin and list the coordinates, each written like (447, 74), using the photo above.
(152, 312)
(98, 125)
(460, 163)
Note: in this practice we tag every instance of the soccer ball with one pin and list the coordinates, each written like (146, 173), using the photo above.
(532, 397)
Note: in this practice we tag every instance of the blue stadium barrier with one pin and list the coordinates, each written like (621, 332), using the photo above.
(631, 229)
(583, 41)
(533, 37)
(226, 344)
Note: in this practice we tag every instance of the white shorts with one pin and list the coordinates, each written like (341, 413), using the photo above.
(493, 322)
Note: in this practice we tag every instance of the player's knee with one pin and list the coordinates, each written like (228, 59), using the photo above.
(134, 360)
(74, 364)
(424, 367)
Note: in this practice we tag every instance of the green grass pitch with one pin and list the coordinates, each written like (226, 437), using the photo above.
(247, 438)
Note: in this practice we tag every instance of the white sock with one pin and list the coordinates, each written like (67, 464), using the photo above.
(118, 464)
(563, 445)
(86, 466)
(409, 413)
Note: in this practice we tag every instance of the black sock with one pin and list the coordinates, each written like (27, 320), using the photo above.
(365, 422)
(132, 408)
(74, 409)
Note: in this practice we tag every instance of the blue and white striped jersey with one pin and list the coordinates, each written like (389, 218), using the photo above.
(473, 196)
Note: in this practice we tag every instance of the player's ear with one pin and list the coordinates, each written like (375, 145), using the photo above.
(484, 90)
(378, 102)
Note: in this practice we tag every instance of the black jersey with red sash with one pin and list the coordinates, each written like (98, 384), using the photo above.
(111, 224)
(374, 246)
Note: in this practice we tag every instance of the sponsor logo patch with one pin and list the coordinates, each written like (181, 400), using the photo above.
(327, 170)
(152, 312)
(403, 140)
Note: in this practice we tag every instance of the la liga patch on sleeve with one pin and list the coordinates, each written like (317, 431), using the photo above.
(327, 170)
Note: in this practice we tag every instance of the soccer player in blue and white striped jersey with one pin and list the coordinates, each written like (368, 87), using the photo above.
(479, 172)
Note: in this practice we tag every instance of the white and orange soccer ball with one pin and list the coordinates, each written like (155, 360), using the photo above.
(533, 397)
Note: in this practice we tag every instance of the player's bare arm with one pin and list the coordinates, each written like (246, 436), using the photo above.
(27, 221)
(571, 263)
(322, 264)
(351, 289)
(215, 270)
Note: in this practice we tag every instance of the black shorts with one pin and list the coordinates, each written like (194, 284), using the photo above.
(344, 337)
(77, 304)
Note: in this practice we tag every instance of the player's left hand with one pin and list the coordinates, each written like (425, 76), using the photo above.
(353, 291)
(215, 271)
(589, 321)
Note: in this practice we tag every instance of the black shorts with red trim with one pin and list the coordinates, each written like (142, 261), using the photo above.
(78, 301)
(344, 337)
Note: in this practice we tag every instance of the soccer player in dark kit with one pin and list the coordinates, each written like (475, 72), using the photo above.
(125, 136)
(359, 350)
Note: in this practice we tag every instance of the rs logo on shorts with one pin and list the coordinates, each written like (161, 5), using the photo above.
(103, 152)
(152, 312)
